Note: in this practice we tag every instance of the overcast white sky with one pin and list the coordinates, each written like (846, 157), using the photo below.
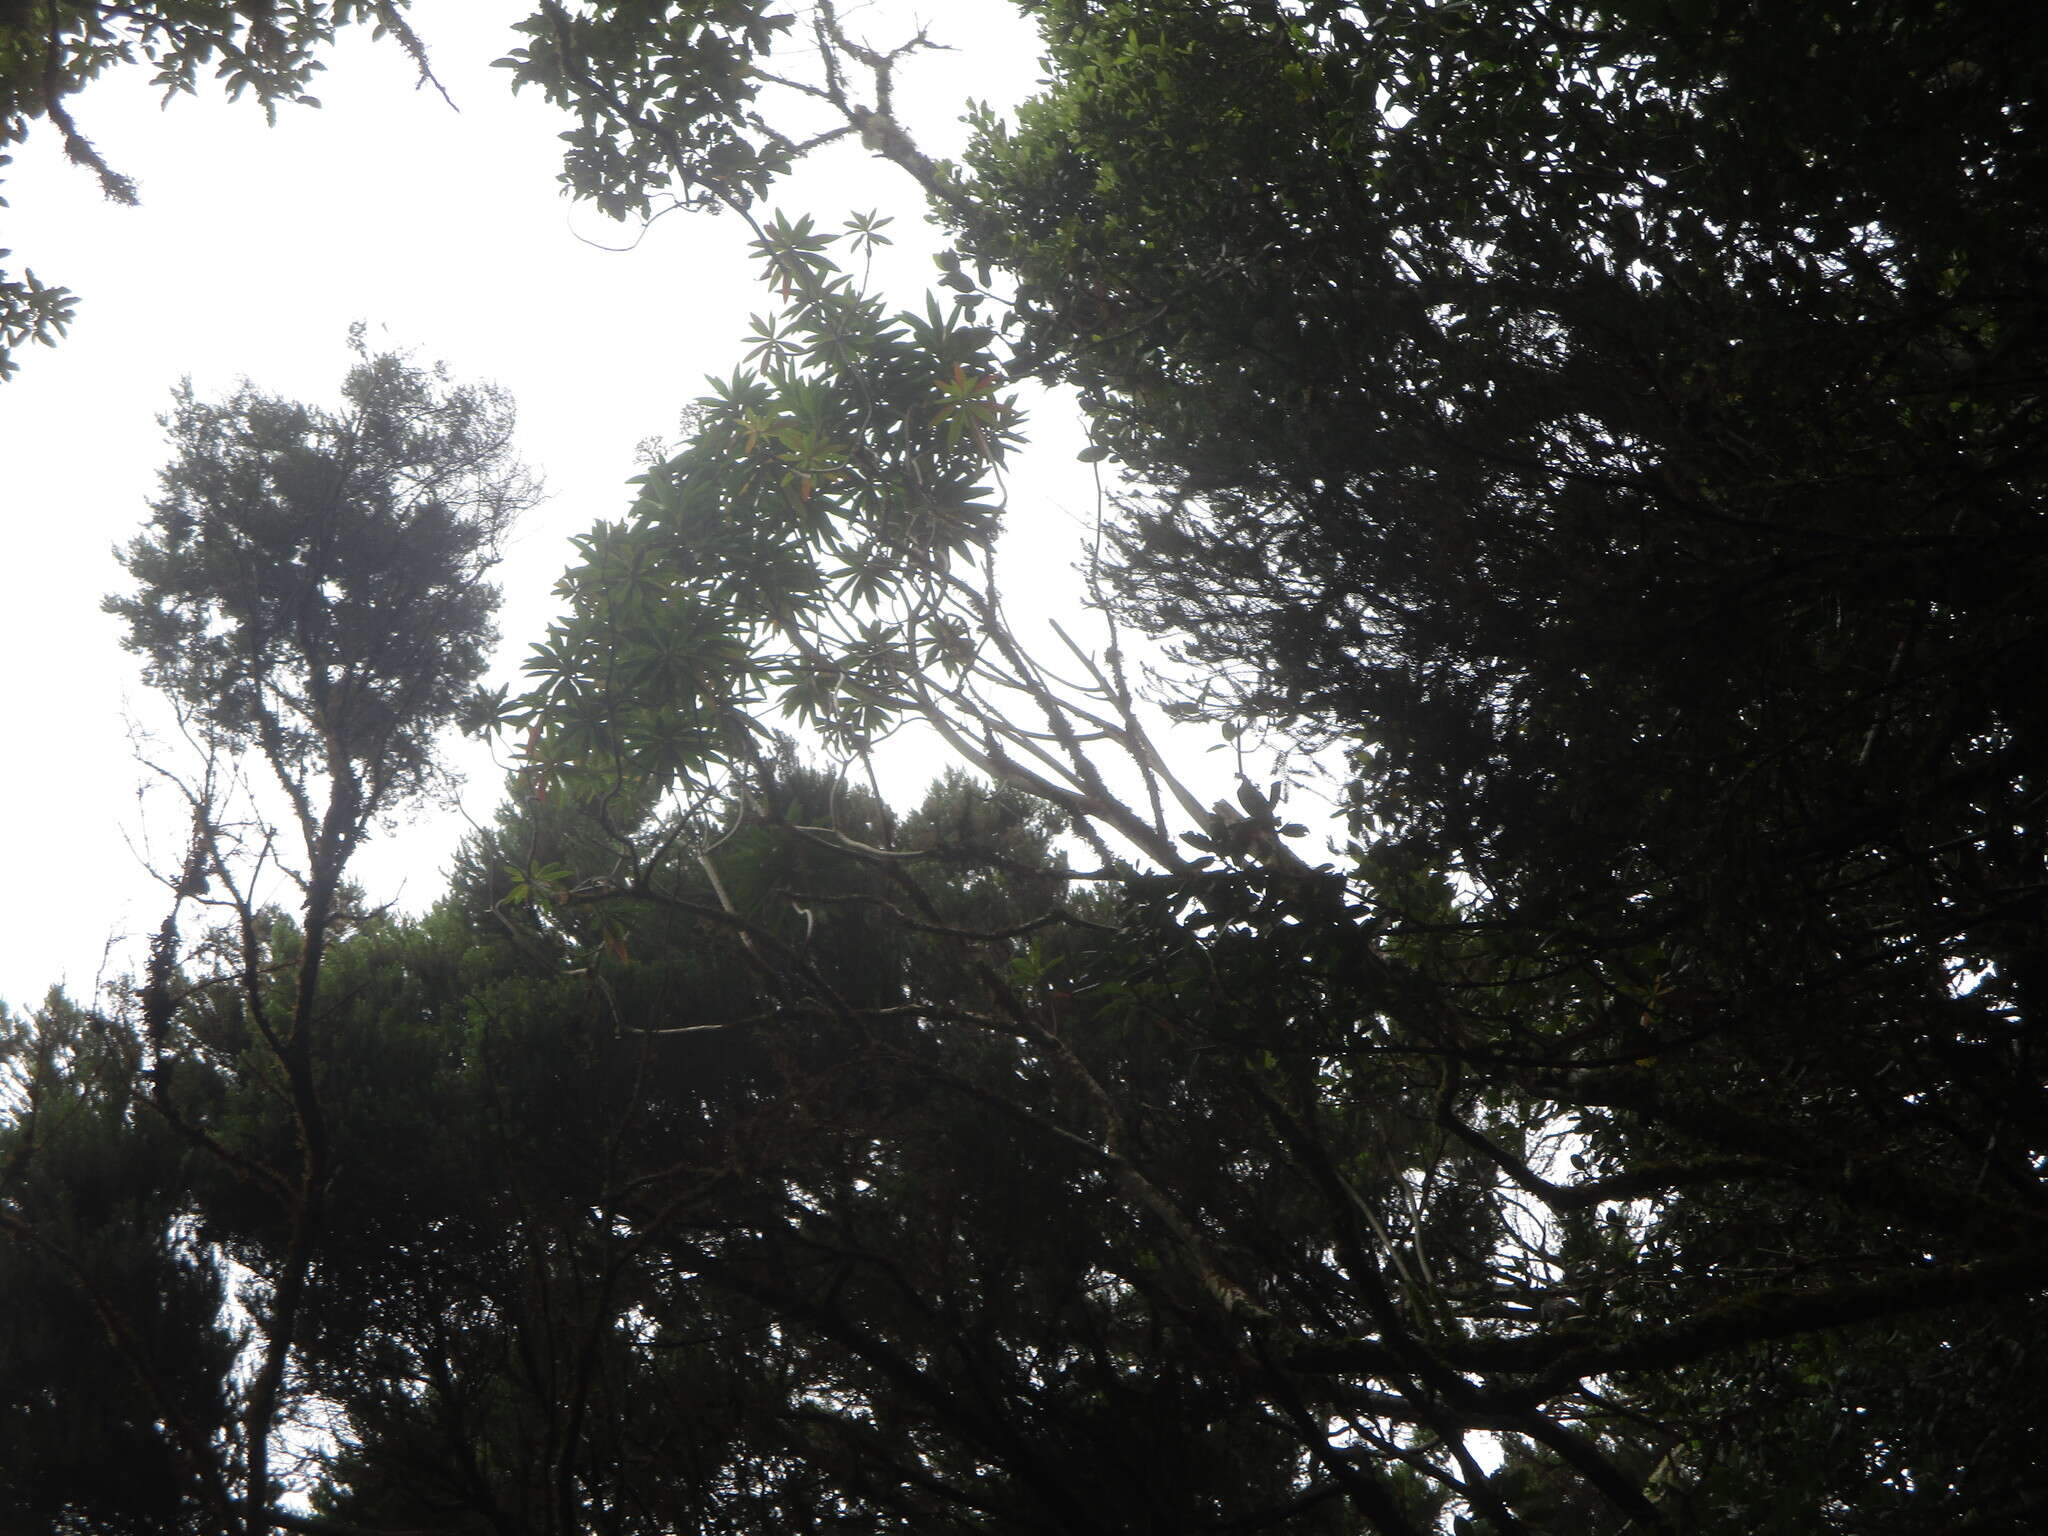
(252, 252)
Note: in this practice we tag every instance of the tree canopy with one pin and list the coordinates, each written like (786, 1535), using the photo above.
(311, 596)
(287, 538)
(1610, 435)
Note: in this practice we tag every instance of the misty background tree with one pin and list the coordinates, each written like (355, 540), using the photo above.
(312, 597)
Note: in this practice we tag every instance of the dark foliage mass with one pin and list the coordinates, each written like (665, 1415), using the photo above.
(1611, 434)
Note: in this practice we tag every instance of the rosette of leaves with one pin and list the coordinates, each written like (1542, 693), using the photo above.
(807, 549)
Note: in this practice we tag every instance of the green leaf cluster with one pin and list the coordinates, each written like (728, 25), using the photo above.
(803, 549)
(664, 99)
